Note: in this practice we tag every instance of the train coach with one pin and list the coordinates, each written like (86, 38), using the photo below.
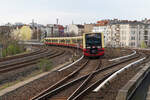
(92, 44)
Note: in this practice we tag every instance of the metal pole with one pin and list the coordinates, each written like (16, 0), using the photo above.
(37, 34)
(0, 51)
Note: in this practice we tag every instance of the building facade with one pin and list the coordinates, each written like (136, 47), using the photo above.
(75, 30)
(88, 27)
(53, 30)
(125, 33)
(6, 30)
(133, 34)
(101, 26)
(130, 34)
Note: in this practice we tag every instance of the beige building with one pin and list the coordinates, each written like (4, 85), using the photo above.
(88, 28)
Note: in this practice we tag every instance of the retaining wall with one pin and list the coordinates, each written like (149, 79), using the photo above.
(126, 92)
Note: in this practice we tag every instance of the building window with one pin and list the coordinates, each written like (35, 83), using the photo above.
(133, 32)
(145, 37)
(146, 42)
(132, 44)
(146, 33)
(132, 38)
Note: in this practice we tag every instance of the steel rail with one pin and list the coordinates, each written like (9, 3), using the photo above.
(57, 90)
(100, 81)
(22, 55)
(26, 59)
(80, 88)
(30, 62)
(59, 83)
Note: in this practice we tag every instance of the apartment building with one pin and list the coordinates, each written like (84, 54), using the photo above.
(129, 34)
(54, 30)
(125, 33)
(112, 35)
(101, 26)
(88, 27)
(6, 30)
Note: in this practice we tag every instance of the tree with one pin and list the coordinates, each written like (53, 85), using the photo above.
(72, 33)
(143, 44)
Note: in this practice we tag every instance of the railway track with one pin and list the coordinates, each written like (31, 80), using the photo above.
(28, 60)
(79, 86)
(80, 71)
(16, 59)
(37, 51)
(66, 53)
(100, 77)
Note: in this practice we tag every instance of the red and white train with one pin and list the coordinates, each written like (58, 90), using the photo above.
(92, 44)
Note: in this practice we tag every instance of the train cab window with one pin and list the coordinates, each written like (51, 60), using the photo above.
(93, 39)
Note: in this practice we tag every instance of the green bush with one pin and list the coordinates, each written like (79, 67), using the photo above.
(12, 49)
(45, 64)
(4, 53)
(10, 46)
(143, 44)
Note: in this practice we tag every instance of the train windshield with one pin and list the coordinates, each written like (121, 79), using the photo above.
(93, 39)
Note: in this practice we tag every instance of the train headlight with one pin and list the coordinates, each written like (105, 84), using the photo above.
(99, 47)
(88, 47)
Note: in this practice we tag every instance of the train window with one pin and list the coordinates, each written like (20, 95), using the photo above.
(62, 41)
(74, 41)
(79, 41)
(67, 41)
(54, 41)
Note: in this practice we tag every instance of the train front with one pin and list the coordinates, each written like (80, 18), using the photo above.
(93, 44)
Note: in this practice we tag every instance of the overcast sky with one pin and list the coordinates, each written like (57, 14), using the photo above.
(78, 11)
